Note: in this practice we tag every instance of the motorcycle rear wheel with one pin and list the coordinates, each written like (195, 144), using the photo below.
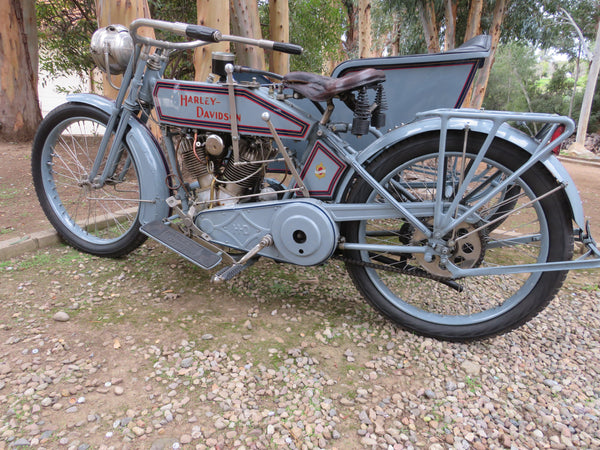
(476, 307)
(99, 220)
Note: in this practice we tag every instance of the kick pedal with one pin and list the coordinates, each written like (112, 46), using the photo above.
(181, 244)
(228, 273)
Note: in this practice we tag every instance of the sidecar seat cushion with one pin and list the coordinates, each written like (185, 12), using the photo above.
(319, 88)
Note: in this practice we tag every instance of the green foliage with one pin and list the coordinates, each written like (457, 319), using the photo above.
(520, 79)
(520, 74)
(514, 72)
(65, 28)
(181, 65)
(543, 23)
(316, 25)
(401, 18)
(173, 10)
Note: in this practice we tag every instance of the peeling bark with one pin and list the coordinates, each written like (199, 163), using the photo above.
(590, 88)
(352, 31)
(429, 22)
(474, 20)
(364, 29)
(19, 107)
(279, 28)
(480, 84)
(123, 12)
(450, 8)
(214, 14)
(245, 22)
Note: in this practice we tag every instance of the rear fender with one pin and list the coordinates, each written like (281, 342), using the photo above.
(149, 158)
(506, 132)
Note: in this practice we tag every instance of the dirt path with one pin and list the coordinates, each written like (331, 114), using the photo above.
(587, 180)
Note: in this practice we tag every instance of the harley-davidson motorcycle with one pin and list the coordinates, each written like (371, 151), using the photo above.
(453, 223)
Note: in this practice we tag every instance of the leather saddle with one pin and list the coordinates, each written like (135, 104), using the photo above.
(320, 88)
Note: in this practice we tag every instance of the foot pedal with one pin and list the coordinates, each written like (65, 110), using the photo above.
(227, 273)
(181, 244)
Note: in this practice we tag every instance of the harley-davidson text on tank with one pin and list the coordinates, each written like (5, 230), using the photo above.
(206, 106)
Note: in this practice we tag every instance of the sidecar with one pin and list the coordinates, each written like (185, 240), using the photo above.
(414, 83)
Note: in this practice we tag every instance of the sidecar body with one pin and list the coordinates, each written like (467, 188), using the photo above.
(417, 83)
(414, 83)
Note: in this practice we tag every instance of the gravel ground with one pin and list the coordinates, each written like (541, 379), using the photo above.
(142, 353)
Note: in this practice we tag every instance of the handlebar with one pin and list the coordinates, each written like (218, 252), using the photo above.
(203, 35)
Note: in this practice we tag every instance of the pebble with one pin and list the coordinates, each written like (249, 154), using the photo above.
(187, 362)
(306, 377)
(61, 316)
(471, 367)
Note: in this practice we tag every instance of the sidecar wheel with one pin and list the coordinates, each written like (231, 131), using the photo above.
(513, 227)
(98, 220)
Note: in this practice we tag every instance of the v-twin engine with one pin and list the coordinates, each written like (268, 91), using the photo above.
(219, 179)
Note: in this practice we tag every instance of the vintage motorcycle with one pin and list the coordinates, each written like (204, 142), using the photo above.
(452, 222)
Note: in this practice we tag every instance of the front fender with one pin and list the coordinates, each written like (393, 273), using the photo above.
(506, 132)
(151, 165)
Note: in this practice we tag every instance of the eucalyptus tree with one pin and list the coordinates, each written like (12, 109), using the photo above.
(19, 108)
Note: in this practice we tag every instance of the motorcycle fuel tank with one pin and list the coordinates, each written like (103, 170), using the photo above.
(206, 106)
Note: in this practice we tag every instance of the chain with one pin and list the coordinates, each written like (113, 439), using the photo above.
(405, 270)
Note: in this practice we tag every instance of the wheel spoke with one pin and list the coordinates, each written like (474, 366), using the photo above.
(512, 227)
(99, 216)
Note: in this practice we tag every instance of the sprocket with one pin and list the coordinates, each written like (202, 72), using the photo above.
(467, 249)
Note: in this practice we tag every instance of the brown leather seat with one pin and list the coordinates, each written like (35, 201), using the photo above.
(320, 88)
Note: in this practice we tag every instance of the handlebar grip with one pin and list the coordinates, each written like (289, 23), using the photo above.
(292, 49)
(203, 33)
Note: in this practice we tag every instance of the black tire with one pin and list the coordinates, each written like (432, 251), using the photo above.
(101, 221)
(487, 305)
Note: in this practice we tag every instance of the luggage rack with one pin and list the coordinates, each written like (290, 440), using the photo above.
(497, 119)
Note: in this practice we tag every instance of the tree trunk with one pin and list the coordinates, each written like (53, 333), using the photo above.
(19, 106)
(245, 22)
(429, 22)
(450, 8)
(352, 31)
(478, 90)
(395, 44)
(474, 20)
(576, 80)
(30, 21)
(215, 14)
(364, 29)
(279, 30)
(123, 12)
(588, 95)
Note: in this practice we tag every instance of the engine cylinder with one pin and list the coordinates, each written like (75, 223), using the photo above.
(194, 161)
(248, 174)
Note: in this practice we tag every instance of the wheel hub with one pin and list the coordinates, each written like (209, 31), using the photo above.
(462, 247)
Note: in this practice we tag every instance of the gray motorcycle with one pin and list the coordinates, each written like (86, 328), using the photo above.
(451, 222)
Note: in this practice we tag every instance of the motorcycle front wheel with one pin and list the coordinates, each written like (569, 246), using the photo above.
(515, 226)
(97, 219)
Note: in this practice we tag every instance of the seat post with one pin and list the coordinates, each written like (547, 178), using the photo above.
(327, 113)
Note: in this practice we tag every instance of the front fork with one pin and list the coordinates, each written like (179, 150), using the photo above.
(122, 112)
